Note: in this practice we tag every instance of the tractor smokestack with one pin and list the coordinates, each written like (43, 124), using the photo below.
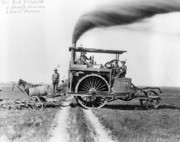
(123, 13)
(73, 44)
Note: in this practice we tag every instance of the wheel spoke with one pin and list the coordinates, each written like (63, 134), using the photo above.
(97, 84)
(85, 84)
(89, 86)
(93, 81)
(101, 86)
(101, 89)
(90, 82)
(85, 87)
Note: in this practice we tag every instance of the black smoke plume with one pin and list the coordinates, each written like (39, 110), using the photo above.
(123, 14)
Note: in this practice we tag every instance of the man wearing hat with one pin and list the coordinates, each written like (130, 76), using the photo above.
(122, 70)
(55, 80)
(83, 59)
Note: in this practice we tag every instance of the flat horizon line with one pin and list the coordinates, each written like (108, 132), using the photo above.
(10, 82)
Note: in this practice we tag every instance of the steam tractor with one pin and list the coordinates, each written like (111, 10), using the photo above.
(94, 85)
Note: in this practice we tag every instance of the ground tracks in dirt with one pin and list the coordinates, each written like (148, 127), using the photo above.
(60, 134)
(75, 124)
(102, 134)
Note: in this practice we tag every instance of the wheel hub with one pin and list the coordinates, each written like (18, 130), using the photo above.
(92, 91)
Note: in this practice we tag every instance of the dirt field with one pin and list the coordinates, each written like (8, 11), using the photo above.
(118, 121)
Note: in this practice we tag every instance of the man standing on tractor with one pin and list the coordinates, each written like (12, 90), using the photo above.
(122, 70)
(55, 80)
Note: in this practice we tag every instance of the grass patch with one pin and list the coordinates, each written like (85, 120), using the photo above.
(138, 125)
(24, 125)
(27, 125)
(129, 123)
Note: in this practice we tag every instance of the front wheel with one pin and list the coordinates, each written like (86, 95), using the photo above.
(154, 100)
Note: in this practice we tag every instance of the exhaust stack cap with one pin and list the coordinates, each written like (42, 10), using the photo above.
(73, 44)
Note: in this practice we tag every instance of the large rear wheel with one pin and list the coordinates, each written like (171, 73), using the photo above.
(89, 86)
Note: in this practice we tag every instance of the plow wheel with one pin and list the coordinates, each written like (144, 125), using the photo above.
(35, 103)
(144, 103)
(90, 85)
(154, 100)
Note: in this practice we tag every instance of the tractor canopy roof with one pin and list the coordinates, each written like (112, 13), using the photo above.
(81, 49)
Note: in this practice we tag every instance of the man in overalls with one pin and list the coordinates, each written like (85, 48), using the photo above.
(55, 80)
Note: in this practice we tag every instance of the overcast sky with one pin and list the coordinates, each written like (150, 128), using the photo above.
(32, 45)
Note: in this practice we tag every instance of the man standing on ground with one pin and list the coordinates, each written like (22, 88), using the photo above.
(55, 80)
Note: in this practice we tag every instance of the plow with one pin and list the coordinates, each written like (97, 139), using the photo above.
(35, 102)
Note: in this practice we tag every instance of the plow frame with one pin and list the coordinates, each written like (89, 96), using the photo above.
(33, 102)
